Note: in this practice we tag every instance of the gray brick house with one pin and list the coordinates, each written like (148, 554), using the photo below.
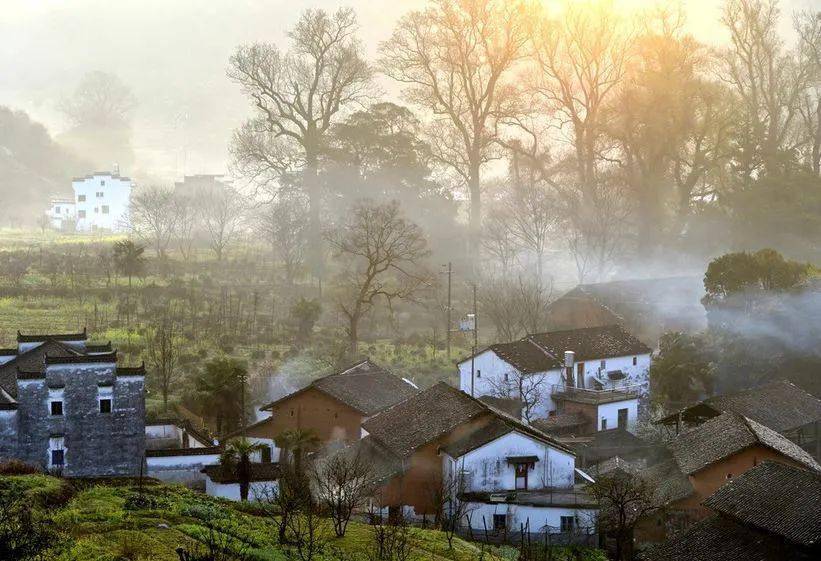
(66, 406)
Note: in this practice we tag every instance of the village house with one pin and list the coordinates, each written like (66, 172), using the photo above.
(177, 452)
(780, 405)
(770, 513)
(647, 308)
(594, 375)
(67, 407)
(332, 407)
(504, 473)
(100, 202)
(224, 483)
(707, 457)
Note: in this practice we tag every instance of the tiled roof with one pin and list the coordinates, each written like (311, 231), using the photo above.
(605, 444)
(259, 472)
(382, 463)
(171, 452)
(591, 343)
(21, 338)
(422, 418)
(561, 422)
(32, 360)
(437, 411)
(774, 497)
(510, 405)
(617, 464)
(525, 356)
(720, 539)
(364, 386)
(670, 483)
(727, 434)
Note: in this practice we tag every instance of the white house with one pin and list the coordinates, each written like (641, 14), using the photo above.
(598, 362)
(264, 480)
(61, 213)
(518, 479)
(101, 202)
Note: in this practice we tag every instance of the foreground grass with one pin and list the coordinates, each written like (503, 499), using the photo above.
(108, 523)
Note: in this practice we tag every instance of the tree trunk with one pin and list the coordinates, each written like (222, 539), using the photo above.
(310, 179)
(353, 336)
(475, 223)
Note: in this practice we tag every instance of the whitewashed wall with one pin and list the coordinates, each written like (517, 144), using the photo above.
(230, 491)
(610, 411)
(637, 374)
(180, 469)
(518, 515)
(116, 195)
(486, 469)
(269, 442)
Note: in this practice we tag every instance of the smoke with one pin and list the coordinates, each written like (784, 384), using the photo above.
(276, 380)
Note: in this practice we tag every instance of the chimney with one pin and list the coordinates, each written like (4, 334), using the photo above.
(116, 168)
(569, 360)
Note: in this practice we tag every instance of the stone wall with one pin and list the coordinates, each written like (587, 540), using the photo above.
(8, 434)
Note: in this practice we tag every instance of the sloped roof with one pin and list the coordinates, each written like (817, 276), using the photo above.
(382, 463)
(561, 421)
(670, 483)
(525, 356)
(779, 405)
(32, 360)
(780, 499)
(591, 342)
(727, 434)
(364, 386)
(720, 539)
(605, 444)
(437, 411)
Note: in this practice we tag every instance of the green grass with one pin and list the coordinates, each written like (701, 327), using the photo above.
(98, 525)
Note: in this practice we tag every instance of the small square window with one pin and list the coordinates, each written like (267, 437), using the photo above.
(81, 198)
(57, 408)
(57, 210)
(635, 360)
(96, 210)
(57, 458)
(478, 373)
(105, 209)
(102, 182)
(499, 522)
(568, 523)
(99, 194)
(81, 214)
(105, 405)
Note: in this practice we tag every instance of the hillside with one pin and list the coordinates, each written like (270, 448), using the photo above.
(113, 522)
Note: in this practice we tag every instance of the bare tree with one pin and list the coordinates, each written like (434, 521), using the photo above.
(297, 96)
(450, 510)
(101, 99)
(341, 483)
(529, 389)
(284, 224)
(382, 251)
(153, 216)
(515, 306)
(498, 239)
(221, 212)
(185, 224)
(163, 355)
(768, 80)
(457, 59)
(808, 26)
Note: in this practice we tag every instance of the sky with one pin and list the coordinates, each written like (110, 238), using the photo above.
(173, 54)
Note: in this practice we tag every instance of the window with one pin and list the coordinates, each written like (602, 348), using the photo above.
(57, 210)
(55, 399)
(105, 398)
(56, 452)
(635, 360)
(499, 522)
(81, 214)
(568, 523)
(96, 210)
(603, 423)
(292, 412)
(266, 454)
(580, 375)
(506, 377)
(729, 476)
(478, 373)
(99, 194)
(105, 209)
(81, 198)
(102, 182)
(603, 364)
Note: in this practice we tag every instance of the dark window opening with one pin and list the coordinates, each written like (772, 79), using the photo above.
(56, 407)
(635, 360)
(603, 424)
(478, 373)
(568, 523)
(57, 457)
(81, 198)
(266, 454)
(105, 406)
(499, 522)
(521, 476)
(81, 214)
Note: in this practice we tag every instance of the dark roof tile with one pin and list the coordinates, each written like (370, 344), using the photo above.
(591, 343)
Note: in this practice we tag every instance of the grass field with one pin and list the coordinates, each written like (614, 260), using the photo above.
(106, 523)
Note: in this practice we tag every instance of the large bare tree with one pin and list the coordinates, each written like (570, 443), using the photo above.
(382, 252)
(153, 216)
(221, 210)
(297, 95)
(457, 59)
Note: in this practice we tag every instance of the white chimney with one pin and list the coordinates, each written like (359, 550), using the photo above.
(569, 358)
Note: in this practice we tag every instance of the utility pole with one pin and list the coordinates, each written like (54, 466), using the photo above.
(447, 329)
(475, 344)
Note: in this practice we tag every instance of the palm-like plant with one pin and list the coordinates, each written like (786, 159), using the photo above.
(129, 259)
(236, 459)
(295, 443)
